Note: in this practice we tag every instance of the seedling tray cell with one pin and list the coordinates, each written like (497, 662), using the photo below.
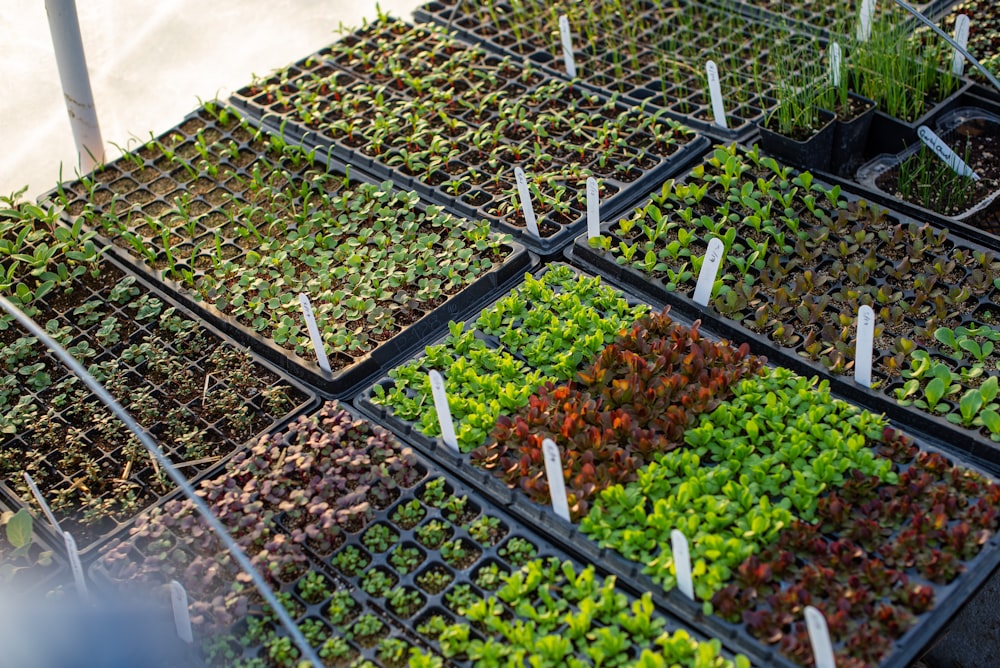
(455, 121)
(656, 57)
(422, 545)
(28, 563)
(236, 224)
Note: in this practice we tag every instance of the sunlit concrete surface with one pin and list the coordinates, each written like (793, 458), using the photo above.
(149, 64)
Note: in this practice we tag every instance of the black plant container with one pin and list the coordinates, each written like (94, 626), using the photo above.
(850, 138)
(889, 134)
(812, 153)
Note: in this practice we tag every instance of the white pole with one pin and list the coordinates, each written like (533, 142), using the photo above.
(65, 28)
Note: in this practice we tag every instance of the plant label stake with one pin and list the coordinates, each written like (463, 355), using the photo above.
(526, 208)
(709, 270)
(715, 91)
(593, 209)
(41, 501)
(317, 340)
(864, 347)
(682, 563)
(182, 619)
(443, 410)
(555, 475)
(567, 46)
(819, 638)
(75, 565)
(943, 151)
(204, 392)
(962, 37)
(836, 59)
(865, 20)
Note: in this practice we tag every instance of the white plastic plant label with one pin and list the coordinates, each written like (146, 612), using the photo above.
(554, 474)
(962, 39)
(567, 46)
(443, 410)
(865, 345)
(593, 209)
(709, 271)
(526, 207)
(317, 340)
(819, 638)
(836, 62)
(943, 151)
(76, 566)
(715, 92)
(682, 563)
(204, 391)
(865, 18)
(42, 502)
(182, 618)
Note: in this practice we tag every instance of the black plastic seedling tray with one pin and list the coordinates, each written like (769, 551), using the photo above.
(686, 99)
(948, 598)
(207, 196)
(432, 491)
(140, 377)
(958, 442)
(619, 183)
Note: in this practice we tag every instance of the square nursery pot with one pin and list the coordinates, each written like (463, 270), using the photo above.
(850, 136)
(811, 153)
(889, 134)
(982, 213)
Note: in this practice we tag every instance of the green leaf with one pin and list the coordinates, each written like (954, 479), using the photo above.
(934, 392)
(989, 389)
(991, 419)
(970, 405)
(19, 528)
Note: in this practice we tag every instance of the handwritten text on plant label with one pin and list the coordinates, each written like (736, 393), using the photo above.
(593, 209)
(526, 207)
(709, 270)
(317, 340)
(567, 46)
(943, 151)
(715, 92)
(443, 410)
(819, 638)
(864, 347)
(554, 475)
(682, 563)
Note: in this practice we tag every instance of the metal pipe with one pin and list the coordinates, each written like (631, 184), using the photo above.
(64, 25)
(213, 522)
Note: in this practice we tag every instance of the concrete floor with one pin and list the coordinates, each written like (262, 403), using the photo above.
(149, 63)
